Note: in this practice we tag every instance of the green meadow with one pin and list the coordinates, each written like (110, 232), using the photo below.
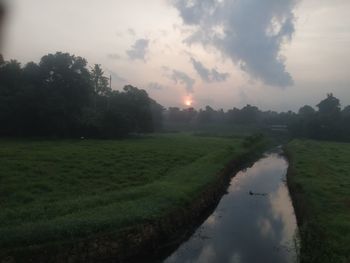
(53, 191)
(320, 177)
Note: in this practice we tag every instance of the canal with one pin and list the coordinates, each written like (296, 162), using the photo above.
(254, 221)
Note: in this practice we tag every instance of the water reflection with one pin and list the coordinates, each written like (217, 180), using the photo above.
(247, 228)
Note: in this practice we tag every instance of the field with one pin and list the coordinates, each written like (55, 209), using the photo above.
(320, 183)
(53, 191)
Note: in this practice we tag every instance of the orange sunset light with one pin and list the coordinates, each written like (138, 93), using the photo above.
(188, 102)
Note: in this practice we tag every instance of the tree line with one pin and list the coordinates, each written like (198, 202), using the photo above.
(327, 122)
(61, 97)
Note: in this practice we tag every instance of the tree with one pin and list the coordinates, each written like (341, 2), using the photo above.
(346, 123)
(329, 106)
(304, 125)
(327, 124)
(101, 86)
(346, 111)
(157, 115)
(137, 105)
(60, 97)
(306, 111)
(10, 77)
(10, 84)
(67, 80)
(249, 114)
(206, 116)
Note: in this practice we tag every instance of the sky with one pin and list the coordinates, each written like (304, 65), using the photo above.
(275, 54)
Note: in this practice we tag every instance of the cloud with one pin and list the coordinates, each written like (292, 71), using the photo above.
(165, 68)
(164, 33)
(114, 56)
(249, 32)
(217, 76)
(139, 49)
(131, 32)
(202, 71)
(155, 86)
(208, 75)
(182, 78)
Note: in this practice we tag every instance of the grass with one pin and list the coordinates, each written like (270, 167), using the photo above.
(321, 176)
(52, 191)
(223, 129)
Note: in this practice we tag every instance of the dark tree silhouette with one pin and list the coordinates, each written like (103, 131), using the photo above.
(329, 106)
(60, 97)
(328, 123)
(100, 82)
(306, 111)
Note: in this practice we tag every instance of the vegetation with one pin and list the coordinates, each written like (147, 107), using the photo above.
(60, 190)
(53, 191)
(329, 122)
(61, 97)
(320, 184)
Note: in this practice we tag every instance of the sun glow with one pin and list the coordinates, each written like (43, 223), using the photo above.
(188, 102)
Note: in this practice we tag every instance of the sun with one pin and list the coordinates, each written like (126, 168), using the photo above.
(188, 102)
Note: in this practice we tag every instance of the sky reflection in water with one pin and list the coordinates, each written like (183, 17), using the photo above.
(247, 228)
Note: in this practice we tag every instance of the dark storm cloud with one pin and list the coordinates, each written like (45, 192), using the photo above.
(183, 78)
(250, 32)
(208, 75)
(139, 49)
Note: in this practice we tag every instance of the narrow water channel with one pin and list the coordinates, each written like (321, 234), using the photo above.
(254, 222)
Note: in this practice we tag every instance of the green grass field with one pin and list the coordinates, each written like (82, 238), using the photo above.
(321, 173)
(51, 191)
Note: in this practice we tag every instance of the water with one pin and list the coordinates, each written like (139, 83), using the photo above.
(254, 222)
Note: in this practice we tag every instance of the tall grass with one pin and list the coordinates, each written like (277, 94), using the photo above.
(53, 191)
(320, 182)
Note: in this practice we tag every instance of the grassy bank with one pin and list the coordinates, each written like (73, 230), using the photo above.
(54, 192)
(319, 179)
